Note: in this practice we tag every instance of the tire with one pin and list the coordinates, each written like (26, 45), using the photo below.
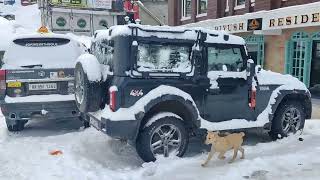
(88, 95)
(289, 118)
(15, 125)
(148, 134)
(85, 122)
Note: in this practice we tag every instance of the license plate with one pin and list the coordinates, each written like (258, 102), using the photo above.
(14, 84)
(43, 86)
(94, 122)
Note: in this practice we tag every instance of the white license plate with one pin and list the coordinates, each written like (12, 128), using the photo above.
(43, 86)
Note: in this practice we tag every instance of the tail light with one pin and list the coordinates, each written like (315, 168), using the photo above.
(2, 82)
(2, 79)
(113, 97)
(253, 96)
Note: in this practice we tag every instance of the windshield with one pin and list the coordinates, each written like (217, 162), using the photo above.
(42, 53)
(163, 58)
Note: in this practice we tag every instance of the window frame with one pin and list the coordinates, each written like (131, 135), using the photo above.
(198, 5)
(164, 73)
(242, 50)
(183, 10)
(239, 6)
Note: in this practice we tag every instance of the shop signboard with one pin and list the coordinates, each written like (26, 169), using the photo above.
(100, 4)
(81, 23)
(60, 21)
(254, 24)
(103, 21)
(69, 3)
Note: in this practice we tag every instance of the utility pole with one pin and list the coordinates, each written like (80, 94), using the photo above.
(43, 6)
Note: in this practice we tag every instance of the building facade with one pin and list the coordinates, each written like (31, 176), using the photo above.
(282, 35)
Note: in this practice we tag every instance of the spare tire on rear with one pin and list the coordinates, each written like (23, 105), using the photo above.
(88, 94)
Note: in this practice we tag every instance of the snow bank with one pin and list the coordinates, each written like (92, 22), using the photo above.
(27, 21)
(40, 98)
(6, 33)
(91, 67)
(90, 154)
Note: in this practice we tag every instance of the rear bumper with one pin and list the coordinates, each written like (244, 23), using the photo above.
(121, 129)
(50, 110)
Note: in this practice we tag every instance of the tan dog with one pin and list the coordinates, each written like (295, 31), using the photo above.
(223, 144)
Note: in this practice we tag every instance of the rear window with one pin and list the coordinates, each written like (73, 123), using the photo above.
(163, 58)
(41, 42)
(42, 52)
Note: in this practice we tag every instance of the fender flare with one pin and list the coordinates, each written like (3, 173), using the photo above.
(185, 101)
(283, 95)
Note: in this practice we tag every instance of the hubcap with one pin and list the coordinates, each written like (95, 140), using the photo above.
(79, 87)
(165, 139)
(291, 120)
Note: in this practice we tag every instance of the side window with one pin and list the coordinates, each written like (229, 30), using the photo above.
(225, 58)
(103, 52)
(163, 58)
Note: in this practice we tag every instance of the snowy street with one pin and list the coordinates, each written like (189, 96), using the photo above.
(89, 154)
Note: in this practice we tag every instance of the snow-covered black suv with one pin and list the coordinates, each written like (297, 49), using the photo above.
(37, 80)
(155, 86)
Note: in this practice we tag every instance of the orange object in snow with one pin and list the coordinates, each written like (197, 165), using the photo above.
(43, 29)
(56, 152)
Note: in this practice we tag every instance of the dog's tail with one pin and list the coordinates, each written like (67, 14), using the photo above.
(242, 134)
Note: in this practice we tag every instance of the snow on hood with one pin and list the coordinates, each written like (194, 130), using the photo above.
(168, 32)
(269, 78)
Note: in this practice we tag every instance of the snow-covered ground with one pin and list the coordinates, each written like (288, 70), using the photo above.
(89, 154)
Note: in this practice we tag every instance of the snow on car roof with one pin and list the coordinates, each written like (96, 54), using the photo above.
(168, 32)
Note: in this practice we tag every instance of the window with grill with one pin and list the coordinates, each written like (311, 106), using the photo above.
(186, 9)
(202, 6)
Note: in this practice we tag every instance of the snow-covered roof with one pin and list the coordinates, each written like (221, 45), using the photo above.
(168, 32)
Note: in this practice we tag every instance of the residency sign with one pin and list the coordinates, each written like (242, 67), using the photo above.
(292, 17)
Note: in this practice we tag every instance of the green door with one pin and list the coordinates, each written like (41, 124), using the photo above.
(298, 57)
(255, 44)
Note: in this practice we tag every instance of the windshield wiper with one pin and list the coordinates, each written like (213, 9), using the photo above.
(32, 65)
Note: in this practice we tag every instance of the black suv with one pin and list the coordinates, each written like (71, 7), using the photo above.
(156, 86)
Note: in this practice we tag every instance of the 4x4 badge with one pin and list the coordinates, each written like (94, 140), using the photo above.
(135, 92)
